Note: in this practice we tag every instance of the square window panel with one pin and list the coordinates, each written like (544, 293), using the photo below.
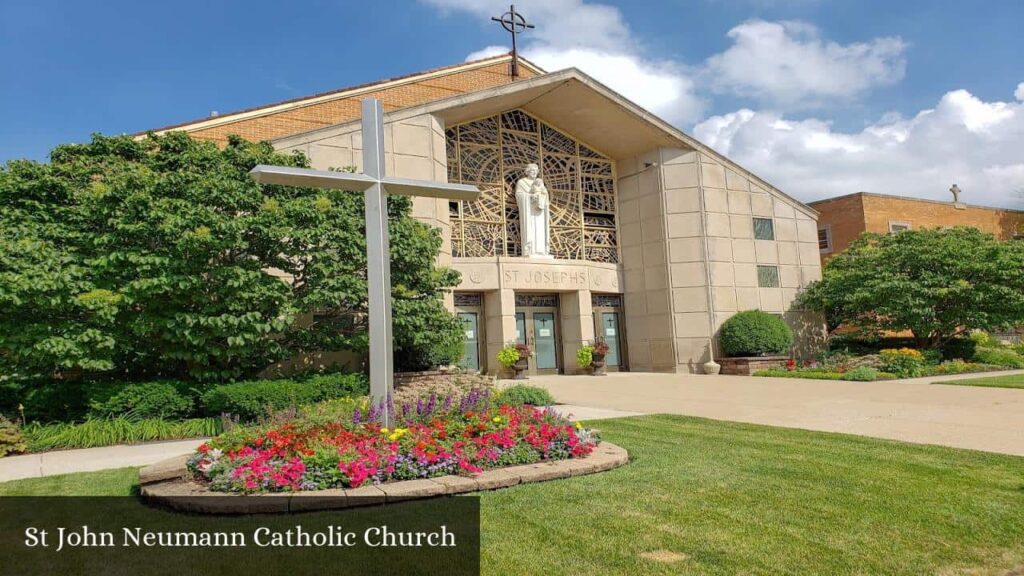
(768, 276)
(764, 229)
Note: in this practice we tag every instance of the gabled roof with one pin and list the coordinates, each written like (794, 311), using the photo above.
(309, 112)
(575, 102)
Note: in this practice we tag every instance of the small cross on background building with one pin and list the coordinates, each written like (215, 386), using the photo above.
(514, 23)
(375, 186)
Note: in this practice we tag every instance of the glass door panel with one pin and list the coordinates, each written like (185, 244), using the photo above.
(471, 355)
(544, 340)
(610, 333)
(521, 327)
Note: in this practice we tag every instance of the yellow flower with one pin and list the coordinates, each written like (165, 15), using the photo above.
(579, 425)
(496, 419)
(384, 430)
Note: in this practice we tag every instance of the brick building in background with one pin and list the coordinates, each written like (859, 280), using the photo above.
(842, 219)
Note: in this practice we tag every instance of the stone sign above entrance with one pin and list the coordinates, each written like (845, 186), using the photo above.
(481, 274)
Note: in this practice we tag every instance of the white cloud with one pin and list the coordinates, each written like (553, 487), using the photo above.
(963, 139)
(595, 39)
(788, 65)
(1019, 93)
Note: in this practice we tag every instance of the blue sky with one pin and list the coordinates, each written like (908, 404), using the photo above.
(818, 97)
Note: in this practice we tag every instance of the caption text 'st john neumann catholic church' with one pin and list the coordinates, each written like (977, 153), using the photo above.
(597, 219)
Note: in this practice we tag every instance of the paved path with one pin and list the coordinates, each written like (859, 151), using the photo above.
(91, 459)
(990, 419)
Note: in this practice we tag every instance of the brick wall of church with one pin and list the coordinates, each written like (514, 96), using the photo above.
(323, 114)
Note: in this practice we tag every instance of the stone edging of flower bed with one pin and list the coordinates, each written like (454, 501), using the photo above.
(167, 483)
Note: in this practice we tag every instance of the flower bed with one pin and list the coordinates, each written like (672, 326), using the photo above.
(435, 437)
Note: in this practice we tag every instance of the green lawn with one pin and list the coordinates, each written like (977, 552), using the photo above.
(1010, 381)
(708, 497)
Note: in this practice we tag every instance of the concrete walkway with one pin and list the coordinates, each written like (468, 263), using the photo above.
(990, 419)
(91, 459)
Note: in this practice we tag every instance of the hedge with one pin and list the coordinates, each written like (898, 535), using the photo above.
(255, 399)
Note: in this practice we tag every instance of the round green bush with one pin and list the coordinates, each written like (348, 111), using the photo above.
(755, 333)
(522, 394)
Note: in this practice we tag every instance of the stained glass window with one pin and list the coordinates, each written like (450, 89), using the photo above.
(491, 153)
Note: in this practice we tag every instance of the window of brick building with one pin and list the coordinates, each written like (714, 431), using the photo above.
(768, 276)
(764, 229)
(898, 226)
(825, 239)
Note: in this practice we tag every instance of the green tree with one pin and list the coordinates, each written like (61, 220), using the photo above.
(161, 257)
(936, 283)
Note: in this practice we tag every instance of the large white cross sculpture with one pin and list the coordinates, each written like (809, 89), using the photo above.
(375, 186)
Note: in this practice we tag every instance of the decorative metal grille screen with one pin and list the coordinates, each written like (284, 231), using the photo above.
(492, 152)
(537, 300)
(606, 300)
(468, 299)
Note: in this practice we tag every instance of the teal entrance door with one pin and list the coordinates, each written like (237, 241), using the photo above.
(610, 333)
(471, 355)
(544, 340)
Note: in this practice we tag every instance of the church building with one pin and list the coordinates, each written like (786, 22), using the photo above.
(597, 218)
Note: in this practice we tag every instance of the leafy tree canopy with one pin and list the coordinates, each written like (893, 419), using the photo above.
(936, 283)
(161, 257)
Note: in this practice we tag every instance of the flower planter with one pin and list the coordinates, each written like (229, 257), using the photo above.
(598, 365)
(747, 365)
(520, 368)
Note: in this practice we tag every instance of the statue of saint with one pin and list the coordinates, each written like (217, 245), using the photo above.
(534, 220)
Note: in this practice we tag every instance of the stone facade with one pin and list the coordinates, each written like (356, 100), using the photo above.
(846, 217)
(691, 259)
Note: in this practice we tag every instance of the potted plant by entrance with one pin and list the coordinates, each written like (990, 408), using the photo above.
(600, 349)
(585, 356)
(523, 363)
(515, 357)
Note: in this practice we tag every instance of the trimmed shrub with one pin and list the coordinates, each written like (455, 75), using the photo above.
(252, 400)
(522, 394)
(861, 374)
(999, 357)
(755, 333)
(11, 439)
(144, 400)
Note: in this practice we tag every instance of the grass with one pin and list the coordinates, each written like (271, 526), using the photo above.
(1008, 381)
(708, 497)
(118, 482)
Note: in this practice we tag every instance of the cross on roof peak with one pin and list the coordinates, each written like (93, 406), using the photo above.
(514, 23)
